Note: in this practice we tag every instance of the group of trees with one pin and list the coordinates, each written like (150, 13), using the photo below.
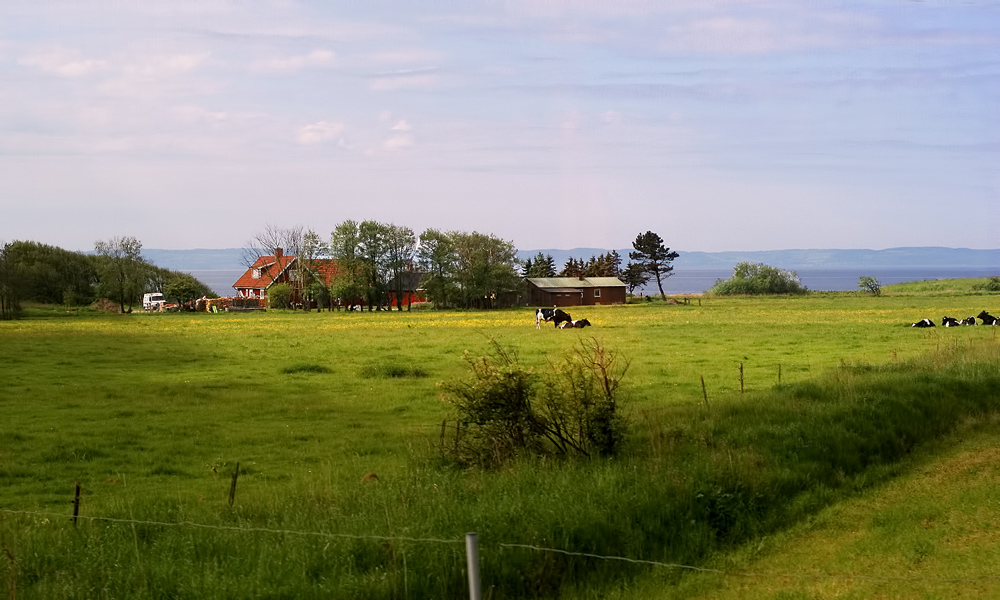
(35, 272)
(649, 260)
(375, 262)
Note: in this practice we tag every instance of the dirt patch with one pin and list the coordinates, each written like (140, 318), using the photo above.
(105, 305)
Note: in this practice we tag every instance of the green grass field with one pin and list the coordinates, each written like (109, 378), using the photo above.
(151, 414)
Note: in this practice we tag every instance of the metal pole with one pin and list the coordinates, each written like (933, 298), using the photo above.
(472, 560)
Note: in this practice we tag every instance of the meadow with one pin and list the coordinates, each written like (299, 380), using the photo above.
(334, 421)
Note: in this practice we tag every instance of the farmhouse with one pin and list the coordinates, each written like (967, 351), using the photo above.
(265, 272)
(574, 291)
(283, 268)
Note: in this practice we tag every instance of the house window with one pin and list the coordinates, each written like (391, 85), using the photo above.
(256, 273)
(597, 293)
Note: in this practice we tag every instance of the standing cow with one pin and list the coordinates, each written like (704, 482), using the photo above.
(550, 314)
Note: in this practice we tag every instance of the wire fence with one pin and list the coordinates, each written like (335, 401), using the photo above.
(504, 545)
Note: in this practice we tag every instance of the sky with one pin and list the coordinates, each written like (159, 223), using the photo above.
(718, 124)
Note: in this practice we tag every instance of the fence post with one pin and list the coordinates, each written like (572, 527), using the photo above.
(472, 560)
(232, 486)
(704, 392)
(76, 504)
(741, 379)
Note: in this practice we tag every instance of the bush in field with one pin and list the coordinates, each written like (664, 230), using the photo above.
(757, 279)
(993, 285)
(506, 410)
(279, 295)
(870, 285)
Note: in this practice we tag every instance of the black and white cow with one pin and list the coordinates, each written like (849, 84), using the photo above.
(575, 324)
(950, 322)
(551, 314)
(988, 319)
(923, 323)
(969, 321)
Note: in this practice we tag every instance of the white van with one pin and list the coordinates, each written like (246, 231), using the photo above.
(153, 301)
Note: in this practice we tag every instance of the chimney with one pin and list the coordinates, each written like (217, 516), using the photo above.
(278, 253)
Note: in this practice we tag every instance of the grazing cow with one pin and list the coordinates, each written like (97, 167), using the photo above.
(988, 319)
(923, 323)
(551, 314)
(575, 324)
(950, 322)
(969, 321)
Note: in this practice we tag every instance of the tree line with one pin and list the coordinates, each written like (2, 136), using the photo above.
(376, 263)
(35, 272)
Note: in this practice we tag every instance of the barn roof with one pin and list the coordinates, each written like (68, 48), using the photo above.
(562, 284)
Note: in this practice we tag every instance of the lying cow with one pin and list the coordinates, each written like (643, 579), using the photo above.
(551, 314)
(923, 323)
(969, 321)
(950, 322)
(575, 324)
(988, 319)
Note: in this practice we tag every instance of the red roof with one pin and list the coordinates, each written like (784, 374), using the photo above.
(271, 271)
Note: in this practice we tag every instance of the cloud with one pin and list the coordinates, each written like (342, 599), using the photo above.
(64, 63)
(402, 125)
(319, 132)
(315, 59)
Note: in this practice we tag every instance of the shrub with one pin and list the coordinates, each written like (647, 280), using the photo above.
(993, 285)
(757, 279)
(279, 295)
(506, 410)
(871, 285)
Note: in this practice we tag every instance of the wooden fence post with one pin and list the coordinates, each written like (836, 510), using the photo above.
(76, 504)
(232, 486)
(779, 372)
(741, 379)
(472, 561)
(703, 391)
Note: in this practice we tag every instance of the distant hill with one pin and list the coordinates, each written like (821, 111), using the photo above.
(230, 259)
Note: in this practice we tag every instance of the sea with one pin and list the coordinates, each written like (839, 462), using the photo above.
(695, 281)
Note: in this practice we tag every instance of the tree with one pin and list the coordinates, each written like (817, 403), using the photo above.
(373, 250)
(572, 268)
(122, 272)
(543, 265)
(653, 258)
(400, 247)
(634, 277)
(485, 268)
(182, 288)
(437, 258)
(345, 242)
(870, 285)
(758, 278)
(51, 275)
(10, 278)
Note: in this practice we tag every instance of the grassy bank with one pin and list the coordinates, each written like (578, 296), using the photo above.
(151, 414)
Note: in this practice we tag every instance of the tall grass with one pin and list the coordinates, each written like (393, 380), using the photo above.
(697, 480)
(152, 413)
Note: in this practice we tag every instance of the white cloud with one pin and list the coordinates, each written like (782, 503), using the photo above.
(402, 125)
(319, 132)
(405, 56)
(315, 59)
(64, 63)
